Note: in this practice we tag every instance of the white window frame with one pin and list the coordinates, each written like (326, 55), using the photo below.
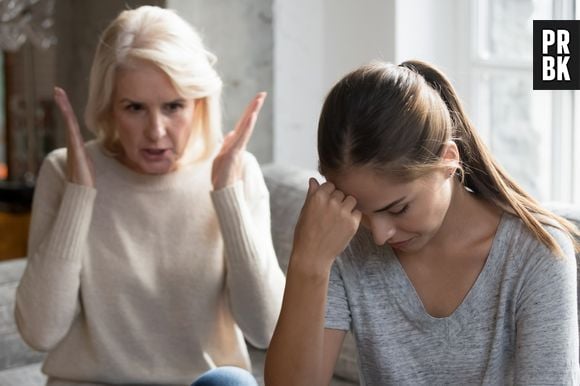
(562, 151)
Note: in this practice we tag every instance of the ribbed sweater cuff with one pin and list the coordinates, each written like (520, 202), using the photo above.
(71, 225)
(234, 218)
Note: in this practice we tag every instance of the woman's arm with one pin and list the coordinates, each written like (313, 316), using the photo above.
(547, 320)
(255, 281)
(47, 298)
(302, 351)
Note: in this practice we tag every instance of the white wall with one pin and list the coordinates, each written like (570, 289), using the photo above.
(298, 79)
(357, 32)
(436, 32)
(316, 43)
(240, 34)
(319, 41)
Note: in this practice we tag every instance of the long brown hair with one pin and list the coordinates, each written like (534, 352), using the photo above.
(397, 119)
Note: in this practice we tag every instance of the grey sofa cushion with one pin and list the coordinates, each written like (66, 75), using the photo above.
(29, 375)
(287, 187)
(13, 351)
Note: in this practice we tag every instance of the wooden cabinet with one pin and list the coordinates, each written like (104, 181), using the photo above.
(13, 234)
(15, 205)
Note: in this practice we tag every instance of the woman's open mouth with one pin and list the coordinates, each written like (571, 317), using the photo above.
(155, 154)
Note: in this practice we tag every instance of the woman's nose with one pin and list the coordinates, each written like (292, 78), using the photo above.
(156, 128)
(382, 229)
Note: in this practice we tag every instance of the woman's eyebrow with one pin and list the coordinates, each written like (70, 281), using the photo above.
(127, 100)
(177, 100)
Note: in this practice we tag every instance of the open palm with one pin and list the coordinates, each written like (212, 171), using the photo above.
(79, 165)
(227, 166)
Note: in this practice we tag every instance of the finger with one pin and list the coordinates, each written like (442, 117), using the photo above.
(68, 114)
(245, 117)
(327, 187)
(357, 215)
(254, 106)
(350, 203)
(312, 185)
(248, 122)
(247, 128)
(246, 132)
(337, 195)
(227, 142)
(231, 139)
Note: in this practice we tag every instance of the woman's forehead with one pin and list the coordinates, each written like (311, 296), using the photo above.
(371, 188)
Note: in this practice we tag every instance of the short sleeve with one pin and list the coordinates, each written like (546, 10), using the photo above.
(547, 319)
(338, 315)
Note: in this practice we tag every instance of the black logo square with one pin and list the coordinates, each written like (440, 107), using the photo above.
(556, 55)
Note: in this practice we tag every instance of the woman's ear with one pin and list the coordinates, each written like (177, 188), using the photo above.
(450, 157)
(450, 154)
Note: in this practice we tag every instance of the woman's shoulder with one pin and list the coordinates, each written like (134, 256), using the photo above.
(524, 249)
(513, 228)
(57, 155)
(54, 162)
(56, 158)
(254, 184)
(251, 165)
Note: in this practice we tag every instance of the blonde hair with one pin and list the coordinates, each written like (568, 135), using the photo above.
(397, 120)
(160, 37)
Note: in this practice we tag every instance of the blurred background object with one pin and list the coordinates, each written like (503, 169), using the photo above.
(27, 40)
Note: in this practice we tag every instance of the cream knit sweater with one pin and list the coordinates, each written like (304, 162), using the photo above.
(147, 279)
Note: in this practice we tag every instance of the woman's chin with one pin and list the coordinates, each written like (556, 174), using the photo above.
(155, 167)
(158, 168)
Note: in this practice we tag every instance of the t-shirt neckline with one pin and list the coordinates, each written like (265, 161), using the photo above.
(488, 269)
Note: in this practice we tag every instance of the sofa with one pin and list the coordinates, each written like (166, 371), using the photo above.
(19, 365)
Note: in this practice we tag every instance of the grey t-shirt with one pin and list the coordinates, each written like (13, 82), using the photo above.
(517, 325)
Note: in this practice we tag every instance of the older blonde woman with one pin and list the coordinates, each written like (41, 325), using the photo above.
(150, 253)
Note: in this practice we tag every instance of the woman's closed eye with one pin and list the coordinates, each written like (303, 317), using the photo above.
(400, 211)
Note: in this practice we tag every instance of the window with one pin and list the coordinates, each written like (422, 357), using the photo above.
(535, 135)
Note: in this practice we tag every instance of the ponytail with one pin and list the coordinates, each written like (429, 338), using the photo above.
(483, 175)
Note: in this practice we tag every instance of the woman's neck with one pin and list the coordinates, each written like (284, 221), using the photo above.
(469, 221)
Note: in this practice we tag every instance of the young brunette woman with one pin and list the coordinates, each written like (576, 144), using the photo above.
(455, 276)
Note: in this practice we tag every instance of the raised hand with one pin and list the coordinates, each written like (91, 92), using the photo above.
(326, 224)
(227, 166)
(79, 168)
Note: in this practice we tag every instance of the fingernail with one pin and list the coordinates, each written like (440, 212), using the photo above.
(58, 92)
